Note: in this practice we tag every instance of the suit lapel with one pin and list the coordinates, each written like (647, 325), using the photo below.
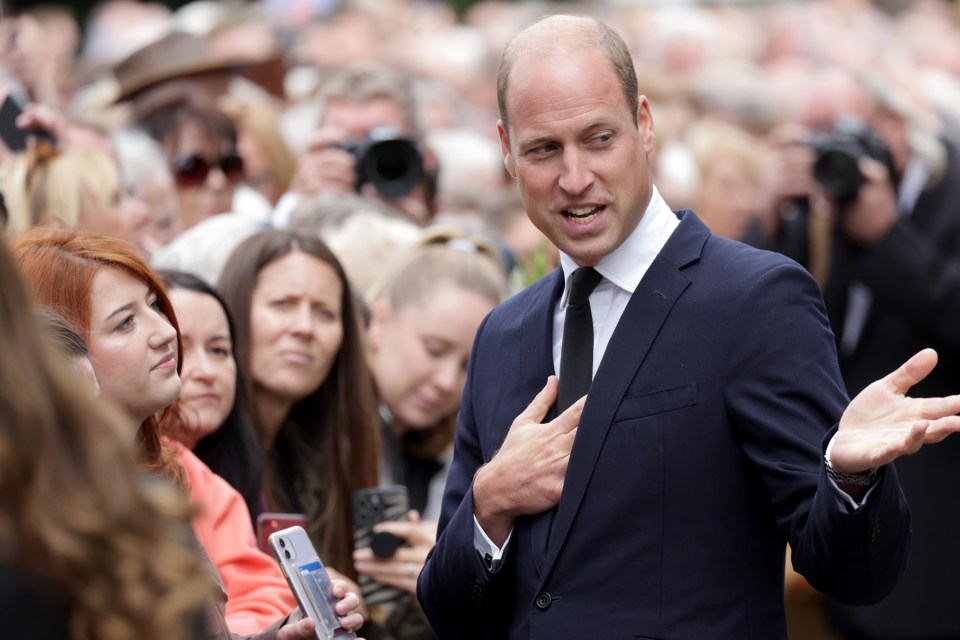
(645, 314)
(536, 364)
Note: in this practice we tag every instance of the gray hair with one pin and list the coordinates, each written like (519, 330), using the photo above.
(141, 159)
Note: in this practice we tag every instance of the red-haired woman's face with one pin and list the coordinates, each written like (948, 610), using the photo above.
(132, 344)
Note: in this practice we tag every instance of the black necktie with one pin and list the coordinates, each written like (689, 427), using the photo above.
(576, 352)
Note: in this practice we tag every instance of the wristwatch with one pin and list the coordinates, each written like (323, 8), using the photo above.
(867, 479)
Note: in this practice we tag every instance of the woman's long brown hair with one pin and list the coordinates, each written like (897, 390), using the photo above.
(329, 445)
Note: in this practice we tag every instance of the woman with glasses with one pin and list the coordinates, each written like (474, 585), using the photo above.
(200, 143)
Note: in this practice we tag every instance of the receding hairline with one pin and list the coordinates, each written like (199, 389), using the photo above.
(552, 34)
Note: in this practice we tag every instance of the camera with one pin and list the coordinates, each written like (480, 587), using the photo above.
(837, 156)
(391, 163)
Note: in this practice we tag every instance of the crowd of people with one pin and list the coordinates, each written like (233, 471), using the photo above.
(263, 241)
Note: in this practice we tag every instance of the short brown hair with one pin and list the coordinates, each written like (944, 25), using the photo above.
(585, 32)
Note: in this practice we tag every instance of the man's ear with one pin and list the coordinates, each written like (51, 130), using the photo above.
(380, 312)
(645, 125)
(508, 161)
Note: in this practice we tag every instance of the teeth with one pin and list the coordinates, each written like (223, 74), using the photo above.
(582, 215)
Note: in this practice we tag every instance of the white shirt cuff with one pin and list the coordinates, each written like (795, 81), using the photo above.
(490, 552)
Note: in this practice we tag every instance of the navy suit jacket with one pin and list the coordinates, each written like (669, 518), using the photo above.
(699, 455)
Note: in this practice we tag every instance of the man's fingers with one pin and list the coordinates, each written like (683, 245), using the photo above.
(326, 137)
(873, 170)
(936, 408)
(538, 408)
(570, 419)
(912, 371)
(941, 428)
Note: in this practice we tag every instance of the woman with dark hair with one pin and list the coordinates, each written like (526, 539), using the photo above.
(209, 419)
(122, 311)
(300, 349)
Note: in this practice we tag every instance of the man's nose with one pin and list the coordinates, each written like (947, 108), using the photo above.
(576, 176)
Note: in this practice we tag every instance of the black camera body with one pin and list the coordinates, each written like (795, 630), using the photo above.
(391, 163)
(838, 154)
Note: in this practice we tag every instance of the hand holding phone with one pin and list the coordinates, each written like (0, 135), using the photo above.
(370, 506)
(12, 135)
(308, 580)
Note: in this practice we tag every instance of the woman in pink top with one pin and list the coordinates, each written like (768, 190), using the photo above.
(106, 290)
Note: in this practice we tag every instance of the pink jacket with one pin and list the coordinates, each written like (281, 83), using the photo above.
(257, 594)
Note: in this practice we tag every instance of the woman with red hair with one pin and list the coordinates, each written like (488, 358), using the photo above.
(121, 309)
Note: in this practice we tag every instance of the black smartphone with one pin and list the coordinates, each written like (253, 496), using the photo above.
(13, 136)
(370, 506)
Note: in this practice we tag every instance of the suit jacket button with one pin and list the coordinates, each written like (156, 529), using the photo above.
(544, 600)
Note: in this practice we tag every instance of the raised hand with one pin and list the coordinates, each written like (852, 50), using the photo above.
(882, 423)
(527, 473)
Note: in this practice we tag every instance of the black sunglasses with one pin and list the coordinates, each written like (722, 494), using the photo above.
(192, 170)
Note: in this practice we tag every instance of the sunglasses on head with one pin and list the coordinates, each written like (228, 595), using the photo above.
(192, 170)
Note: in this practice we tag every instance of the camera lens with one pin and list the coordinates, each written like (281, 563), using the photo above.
(282, 543)
(839, 173)
(287, 553)
(393, 166)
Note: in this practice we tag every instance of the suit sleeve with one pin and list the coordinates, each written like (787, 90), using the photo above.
(783, 388)
(458, 594)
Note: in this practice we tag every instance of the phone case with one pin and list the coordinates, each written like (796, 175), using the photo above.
(268, 523)
(370, 506)
(308, 580)
(13, 136)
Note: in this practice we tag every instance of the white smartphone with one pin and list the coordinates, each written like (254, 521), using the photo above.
(308, 580)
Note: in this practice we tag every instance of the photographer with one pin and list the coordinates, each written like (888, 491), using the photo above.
(872, 209)
(369, 140)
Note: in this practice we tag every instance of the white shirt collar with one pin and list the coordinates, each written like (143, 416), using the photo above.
(628, 263)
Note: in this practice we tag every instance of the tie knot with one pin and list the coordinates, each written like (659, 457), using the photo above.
(582, 283)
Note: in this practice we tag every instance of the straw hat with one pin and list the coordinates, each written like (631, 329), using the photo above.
(178, 55)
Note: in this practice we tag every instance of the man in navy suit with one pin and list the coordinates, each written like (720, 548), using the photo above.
(659, 505)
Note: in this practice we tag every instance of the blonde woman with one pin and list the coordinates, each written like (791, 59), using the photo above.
(424, 315)
(77, 188)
